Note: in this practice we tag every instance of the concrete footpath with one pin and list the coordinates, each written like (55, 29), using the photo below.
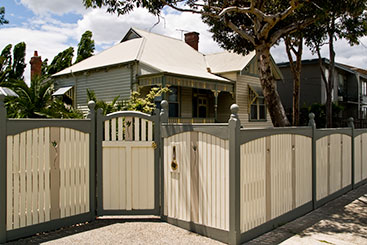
(341, 221)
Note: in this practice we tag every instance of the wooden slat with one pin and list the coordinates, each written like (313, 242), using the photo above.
(46, 148)
(107, 130)
(9, 179)
(86, 157)
(35, 176)
(73, 154)
(150, 170)
(106, 178)
(135, 179)
(67, 173)
(23, 193)
(128, 128)
(77, 168)
(120, 128)
(41, 167)
(122, 178)
(113, 129)
(16, 176)
(150, 130)
(63, 154)
(29, 176)
(136, 129)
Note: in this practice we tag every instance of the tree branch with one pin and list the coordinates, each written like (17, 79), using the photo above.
(239, 31)
(291, 28)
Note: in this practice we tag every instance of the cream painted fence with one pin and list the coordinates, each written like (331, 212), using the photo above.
(360, 156)
(276, 176)
(128, 173)
(196, 179)
(47, 175)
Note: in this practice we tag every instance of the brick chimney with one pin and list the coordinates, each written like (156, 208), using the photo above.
(192, 39)
(36, 65)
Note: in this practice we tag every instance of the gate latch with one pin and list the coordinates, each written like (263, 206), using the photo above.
(154, 145)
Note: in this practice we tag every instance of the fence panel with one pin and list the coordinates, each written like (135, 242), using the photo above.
(276, 175)
(198, 189)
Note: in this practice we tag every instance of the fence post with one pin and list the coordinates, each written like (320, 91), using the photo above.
(92, 158)
(98, 150)
(3, 170)
(157, 166)
(234, 125)
(351, 125)
(312, 124)
(163, 118)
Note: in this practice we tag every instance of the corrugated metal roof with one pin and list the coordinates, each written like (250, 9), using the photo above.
(165, 54)
(228, 61)
(118, 54)
(8, 92)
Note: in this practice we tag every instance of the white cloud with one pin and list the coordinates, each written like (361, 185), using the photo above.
(59, 7)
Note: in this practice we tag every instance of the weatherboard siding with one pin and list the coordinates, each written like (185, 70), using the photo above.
(242, 93)
(107, 84)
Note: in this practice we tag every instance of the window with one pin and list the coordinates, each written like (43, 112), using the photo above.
(257, 107)
(66, 94)
(173, 109)
(341, 85)
(364, 88)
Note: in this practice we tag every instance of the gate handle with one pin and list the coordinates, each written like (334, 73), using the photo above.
(174, 165)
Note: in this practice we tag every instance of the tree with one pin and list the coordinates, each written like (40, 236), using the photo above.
(340, 19)
(241, 26)
(294, 46)
(61, 61)
(2, 16)
(12, 66)
(85, 47)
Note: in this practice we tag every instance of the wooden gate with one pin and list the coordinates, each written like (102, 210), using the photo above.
(127, 163)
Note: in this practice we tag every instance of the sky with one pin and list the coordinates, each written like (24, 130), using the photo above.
(50, 26)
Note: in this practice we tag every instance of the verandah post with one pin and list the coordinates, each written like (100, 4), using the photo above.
(92, 159)
(3, 169)
(163, 118)
(351, 125)
(234, 125)
(312, 123)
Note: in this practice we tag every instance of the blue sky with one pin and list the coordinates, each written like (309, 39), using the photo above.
(50, 26)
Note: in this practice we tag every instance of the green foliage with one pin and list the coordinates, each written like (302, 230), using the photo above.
(61, 61)
(320, 113)
(134, 103)
(85, 47)
(146, 105)
(2, 16)
(12, 66)
(36, 101)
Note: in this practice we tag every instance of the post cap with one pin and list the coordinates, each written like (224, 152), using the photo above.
(234, 109)
(311, 116)
(164, 104)
(91, 105)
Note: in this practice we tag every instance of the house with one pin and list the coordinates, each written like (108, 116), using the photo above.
(350, 88)
(202, 86)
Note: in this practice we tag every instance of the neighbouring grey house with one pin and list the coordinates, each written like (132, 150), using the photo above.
(202, 86)
(350, 88)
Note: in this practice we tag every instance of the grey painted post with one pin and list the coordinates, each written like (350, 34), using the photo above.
(157, 167)
(351, 125)
(99, 139)
(234, 125)
(92, 159)
(164, 111)
(163, 118)
(312, 124)
(2, 170)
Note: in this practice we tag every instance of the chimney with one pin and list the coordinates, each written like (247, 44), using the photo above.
(192, 39)
(36, 65)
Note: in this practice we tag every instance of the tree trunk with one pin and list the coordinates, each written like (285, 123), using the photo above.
(268, 85)
(296, 71)
(329, 105)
